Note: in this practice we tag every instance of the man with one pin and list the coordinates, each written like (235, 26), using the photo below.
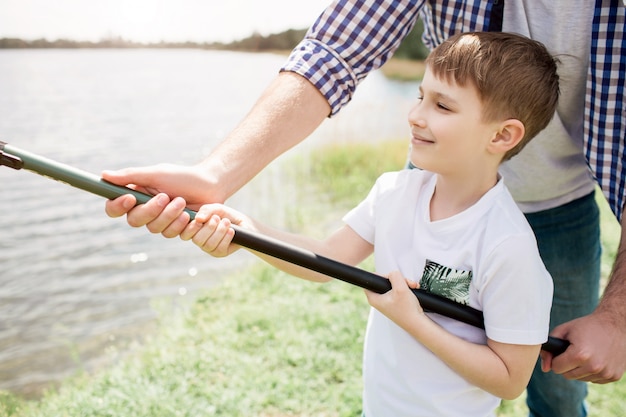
(550, 179)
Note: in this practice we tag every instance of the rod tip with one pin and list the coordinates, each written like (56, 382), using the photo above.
(10, 160)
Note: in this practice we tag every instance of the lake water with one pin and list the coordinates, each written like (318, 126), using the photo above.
(74, 283)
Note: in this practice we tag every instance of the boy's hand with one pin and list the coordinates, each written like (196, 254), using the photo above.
(211, 231)
(397, 303)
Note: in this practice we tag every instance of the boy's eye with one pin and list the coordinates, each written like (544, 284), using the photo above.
(442, 106)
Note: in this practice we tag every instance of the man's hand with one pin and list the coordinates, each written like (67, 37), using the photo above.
(597, 350)
(168, 183)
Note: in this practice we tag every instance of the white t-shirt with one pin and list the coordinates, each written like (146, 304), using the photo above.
(485, 256)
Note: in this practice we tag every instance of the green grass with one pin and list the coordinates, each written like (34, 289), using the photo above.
(264, 343)
(347, 172)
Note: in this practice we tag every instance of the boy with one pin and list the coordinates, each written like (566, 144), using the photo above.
(451, 226)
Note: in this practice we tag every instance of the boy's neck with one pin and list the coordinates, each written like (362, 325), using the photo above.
(453, 195)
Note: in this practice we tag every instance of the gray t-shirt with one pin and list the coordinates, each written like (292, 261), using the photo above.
(552, 170)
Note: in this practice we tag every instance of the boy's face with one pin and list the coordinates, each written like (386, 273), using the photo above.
(448, 135)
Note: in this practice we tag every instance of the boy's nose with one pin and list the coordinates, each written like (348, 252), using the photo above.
(415, 117)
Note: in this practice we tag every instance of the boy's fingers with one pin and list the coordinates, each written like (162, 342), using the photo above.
(216, 238)
(398, 280)
(225, 244)
(202, 235)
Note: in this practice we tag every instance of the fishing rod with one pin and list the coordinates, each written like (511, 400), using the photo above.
(16, 158)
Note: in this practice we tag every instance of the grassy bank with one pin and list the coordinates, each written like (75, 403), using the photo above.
(262, 343)
(404, 69)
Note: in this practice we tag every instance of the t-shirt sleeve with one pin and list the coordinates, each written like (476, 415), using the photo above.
(516, 296)
(362, 218)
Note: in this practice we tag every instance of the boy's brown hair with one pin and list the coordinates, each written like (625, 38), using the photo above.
(515, 77)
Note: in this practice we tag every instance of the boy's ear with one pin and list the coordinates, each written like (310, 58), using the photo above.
(509, 134)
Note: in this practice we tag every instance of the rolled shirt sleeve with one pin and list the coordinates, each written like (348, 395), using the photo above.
(348, 40)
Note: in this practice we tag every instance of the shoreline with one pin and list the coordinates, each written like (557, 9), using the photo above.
(404, 69)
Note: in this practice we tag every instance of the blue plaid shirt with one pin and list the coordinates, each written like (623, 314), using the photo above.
(353, 37)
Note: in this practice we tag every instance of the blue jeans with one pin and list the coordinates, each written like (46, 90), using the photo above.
(569, 244)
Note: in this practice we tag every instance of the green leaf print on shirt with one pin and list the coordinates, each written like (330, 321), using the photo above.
(450, 283)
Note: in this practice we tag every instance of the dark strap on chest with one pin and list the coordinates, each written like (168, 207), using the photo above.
(495, 20)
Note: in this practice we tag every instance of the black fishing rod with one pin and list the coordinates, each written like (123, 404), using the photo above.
(19, 159)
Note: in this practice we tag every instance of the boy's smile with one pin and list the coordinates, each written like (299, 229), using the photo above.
(417, 139)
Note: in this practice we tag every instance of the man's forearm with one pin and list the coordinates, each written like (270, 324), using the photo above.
(287, 112)
(614, 299)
